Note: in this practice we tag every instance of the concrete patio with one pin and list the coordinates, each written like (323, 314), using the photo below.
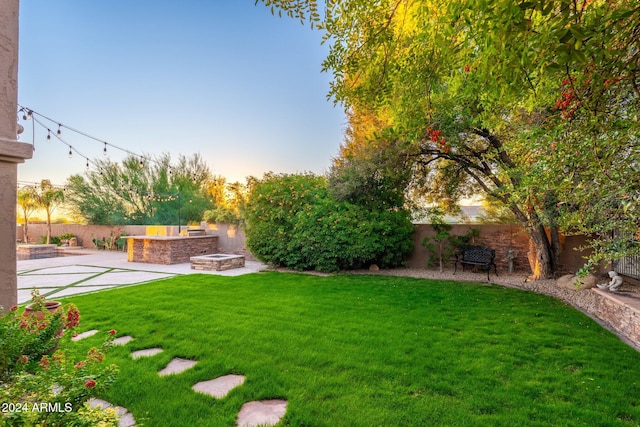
(92, 271)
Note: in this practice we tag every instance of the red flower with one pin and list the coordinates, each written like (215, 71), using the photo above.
(112, 332)
(13, 308)
(467, 68)
(90, 383)
(79, 365)
(23, 359)
(44, 363)
(73, 318)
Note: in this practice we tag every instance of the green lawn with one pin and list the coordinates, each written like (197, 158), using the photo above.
(352, 350)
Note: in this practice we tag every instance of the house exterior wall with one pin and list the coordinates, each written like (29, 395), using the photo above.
(12, 152)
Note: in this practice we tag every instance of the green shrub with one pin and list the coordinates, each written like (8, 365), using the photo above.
(293, 221)
(220, 216)
(36, 369)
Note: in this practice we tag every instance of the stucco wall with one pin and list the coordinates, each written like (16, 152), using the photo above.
(12, 152)
(232, 240)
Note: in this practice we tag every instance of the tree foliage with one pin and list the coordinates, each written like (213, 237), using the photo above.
(49, 197)
(534, 103)
(138, 192)
(28, 203)
(294, 222)
(229, 200)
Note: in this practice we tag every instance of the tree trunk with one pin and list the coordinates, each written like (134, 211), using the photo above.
(48, 227)
(542, 260)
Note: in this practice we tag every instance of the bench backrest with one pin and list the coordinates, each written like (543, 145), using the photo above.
(478, 254)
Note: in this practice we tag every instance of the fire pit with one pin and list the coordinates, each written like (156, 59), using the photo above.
(217, 262)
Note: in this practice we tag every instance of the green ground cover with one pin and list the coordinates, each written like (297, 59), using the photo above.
(351, 350)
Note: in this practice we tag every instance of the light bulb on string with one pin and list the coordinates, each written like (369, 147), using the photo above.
(29, 114)
(59, 132)
(70, 152)
(87, 166)
(48, 135)
(105, 149)
(141, 163)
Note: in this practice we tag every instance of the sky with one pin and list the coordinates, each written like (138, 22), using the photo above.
(222, 78)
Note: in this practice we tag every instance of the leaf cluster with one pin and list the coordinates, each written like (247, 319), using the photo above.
(293, 221)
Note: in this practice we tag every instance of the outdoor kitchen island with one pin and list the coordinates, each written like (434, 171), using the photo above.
(169, 249)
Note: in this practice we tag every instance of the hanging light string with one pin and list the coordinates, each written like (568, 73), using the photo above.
(58, 136)
(29, 114)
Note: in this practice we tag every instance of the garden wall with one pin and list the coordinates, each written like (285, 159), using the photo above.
(231, 239)
(502, 238)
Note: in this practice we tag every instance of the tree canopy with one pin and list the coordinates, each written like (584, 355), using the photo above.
(137, 192)
(534, 103)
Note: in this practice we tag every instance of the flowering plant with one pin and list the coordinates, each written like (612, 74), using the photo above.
(39, 382)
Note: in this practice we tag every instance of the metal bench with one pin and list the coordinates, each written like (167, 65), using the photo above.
(476, 255)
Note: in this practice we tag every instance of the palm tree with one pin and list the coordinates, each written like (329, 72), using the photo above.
(28, 203)
(49, 198)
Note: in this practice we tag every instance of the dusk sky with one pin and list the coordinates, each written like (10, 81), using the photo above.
(223, 78)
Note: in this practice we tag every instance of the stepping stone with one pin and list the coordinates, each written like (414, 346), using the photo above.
(84, 335)
(126, 418)
(262, 413)
(219, 387)
(122, 340)
(147, 352)
(177, 366)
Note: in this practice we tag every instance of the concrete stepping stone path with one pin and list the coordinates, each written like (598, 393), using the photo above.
(219, 387)
(126, 417)
(84, 335)
(252, 414)
(261, 413)
(147, 352)
(122, 340)
(177, 366)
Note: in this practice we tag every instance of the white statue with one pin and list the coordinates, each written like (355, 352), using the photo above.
(614, 284)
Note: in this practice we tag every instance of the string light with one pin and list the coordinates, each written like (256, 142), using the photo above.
(29, 114)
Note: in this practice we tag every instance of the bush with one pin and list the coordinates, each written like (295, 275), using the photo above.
(293, 221)
(37, 378)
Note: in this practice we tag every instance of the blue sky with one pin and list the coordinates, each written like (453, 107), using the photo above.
(223, 78)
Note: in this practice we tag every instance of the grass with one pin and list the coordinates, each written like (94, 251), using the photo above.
(365, 350)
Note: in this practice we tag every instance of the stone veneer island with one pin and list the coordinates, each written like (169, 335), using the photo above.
(169, 249)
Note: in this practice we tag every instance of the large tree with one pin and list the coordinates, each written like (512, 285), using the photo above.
(534, 103)
(140, 191)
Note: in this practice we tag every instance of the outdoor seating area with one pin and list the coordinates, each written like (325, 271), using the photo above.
(476, 255)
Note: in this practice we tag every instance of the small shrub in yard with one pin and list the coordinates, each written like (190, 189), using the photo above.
(40, 384)
(293, 221)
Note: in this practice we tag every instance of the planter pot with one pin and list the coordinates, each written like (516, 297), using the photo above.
(51, 307)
